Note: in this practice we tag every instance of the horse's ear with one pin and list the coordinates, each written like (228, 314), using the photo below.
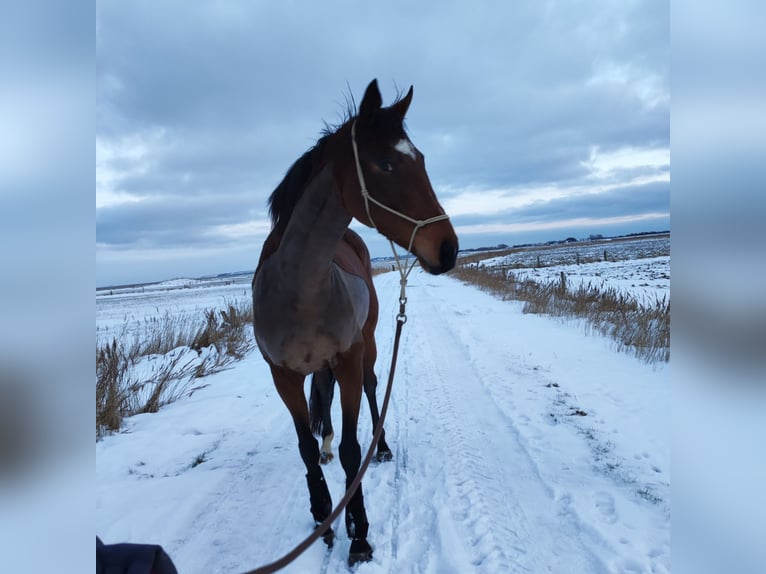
(403, 105)
(371, 103)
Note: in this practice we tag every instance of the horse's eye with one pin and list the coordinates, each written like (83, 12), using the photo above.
(386, 166)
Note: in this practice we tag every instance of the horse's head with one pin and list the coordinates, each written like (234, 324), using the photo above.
(400, 193)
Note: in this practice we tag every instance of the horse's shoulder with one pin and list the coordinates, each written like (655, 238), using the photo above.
(357, 244)
(351, 256)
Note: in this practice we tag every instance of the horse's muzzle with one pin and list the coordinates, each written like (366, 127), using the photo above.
(447, 257)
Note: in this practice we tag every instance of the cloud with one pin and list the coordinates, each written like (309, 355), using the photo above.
(557, 225)
(166, 221)
(518, 107)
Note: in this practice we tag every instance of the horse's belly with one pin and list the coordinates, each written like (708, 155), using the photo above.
(305, 352)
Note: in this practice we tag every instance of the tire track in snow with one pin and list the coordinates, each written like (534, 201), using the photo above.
(400, 505)
(416, 520)
(400, 436)
(404, 542)
(498, 504)
(424, 507)
(472, 497)
(598, 526)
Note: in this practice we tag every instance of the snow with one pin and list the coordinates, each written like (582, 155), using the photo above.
(635, 267)
(130, 308)
(648, 280)
(494, 470)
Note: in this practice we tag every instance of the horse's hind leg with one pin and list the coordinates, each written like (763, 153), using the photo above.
(322, 390)
(349, 374)
(290, 388)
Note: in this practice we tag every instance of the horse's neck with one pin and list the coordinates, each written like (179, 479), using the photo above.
(306, 309)
(311, 237)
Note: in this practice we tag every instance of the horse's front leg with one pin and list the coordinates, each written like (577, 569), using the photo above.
(384, 453)
(348, 371)
(371, 385)
(289, 385)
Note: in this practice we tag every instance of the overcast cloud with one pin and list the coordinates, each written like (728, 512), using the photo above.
(539, 120)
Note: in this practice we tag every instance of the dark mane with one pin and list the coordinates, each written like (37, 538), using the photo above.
(348, 113)
(286, 195)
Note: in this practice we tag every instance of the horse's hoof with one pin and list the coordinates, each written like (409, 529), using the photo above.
(329, 537)
(325, 457)
(384, 456)
(360, 551)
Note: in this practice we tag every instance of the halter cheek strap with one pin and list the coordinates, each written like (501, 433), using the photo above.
(418, 223)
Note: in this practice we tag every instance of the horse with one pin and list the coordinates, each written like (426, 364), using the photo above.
(314, 303)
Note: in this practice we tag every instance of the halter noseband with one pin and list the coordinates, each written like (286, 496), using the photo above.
(418, 223)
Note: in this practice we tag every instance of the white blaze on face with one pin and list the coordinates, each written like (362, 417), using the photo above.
(405, 146)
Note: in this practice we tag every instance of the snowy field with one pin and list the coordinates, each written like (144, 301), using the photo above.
(648, 280)
(617, 249)
(520, 445)
(125, 310)
(638, 267)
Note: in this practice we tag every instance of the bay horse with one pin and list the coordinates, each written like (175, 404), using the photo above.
(314, 303)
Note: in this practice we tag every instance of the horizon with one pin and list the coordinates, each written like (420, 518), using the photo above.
(389, 257)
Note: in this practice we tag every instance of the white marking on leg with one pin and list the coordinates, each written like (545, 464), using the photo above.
(327, 444)
(405, 146)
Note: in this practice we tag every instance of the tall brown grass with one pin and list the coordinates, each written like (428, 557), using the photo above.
(179, 349)
(639, 328)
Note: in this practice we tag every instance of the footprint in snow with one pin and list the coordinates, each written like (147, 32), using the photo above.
(605, 505)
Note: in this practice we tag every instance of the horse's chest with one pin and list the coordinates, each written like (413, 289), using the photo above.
(306, 334)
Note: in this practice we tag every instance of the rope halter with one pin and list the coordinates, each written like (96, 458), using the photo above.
(404, 270)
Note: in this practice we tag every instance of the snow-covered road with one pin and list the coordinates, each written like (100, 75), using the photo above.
(520, 445)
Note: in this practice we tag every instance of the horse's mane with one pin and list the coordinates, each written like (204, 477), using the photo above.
(285, 196)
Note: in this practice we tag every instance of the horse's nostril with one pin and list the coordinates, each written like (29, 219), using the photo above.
(447, 255)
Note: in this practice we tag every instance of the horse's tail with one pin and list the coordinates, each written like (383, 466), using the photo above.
(316, 406)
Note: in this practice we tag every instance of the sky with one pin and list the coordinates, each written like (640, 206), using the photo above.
(539, 120)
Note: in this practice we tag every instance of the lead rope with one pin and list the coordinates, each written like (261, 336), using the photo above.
(401, 319)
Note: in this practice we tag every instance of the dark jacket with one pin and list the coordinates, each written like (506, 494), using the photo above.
(132, 559)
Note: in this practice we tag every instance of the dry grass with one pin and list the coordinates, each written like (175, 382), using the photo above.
(641, 329)
(139, 374)
(380, 269)
(111, 395)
